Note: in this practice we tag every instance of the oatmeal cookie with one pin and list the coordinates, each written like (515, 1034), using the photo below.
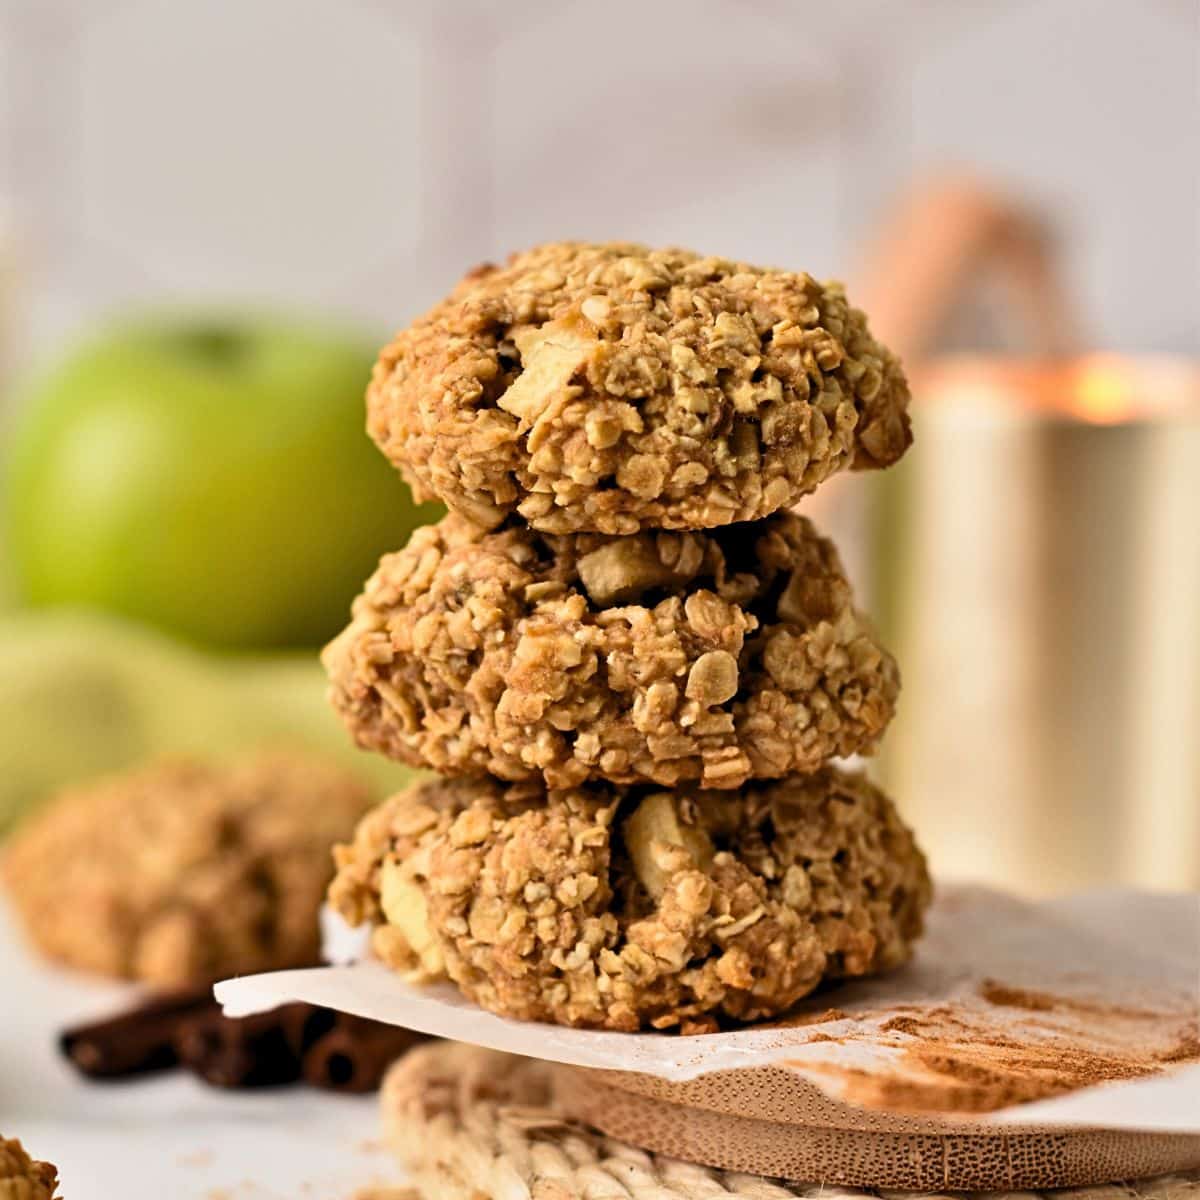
(21, 1177)
(184, 872)
(659, 657)
(626, 909)
(612, 388)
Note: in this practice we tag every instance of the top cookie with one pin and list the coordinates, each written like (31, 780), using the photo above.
(613, 388)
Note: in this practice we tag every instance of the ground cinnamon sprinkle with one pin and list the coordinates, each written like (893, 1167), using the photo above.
(982, 1078)
(903, 1025)
(798, 1019)
(1187, 1049)
(986, 1074)
(1031, 1001)
(969, 1058)
(1009, 997)
(801, 1017)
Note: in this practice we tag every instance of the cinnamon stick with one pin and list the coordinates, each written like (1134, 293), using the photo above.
(304, 1024)
(243, 1053)
(355, 1054)
(134, 1042)
(330, 1050)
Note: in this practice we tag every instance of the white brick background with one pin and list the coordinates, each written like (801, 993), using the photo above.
(354, 155)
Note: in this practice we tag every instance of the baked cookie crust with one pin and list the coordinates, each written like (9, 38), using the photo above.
(660, 657)
(612, 388)
(630, 909)
(23, 1178)
(184, 872)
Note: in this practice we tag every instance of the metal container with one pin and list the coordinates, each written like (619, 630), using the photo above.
(1036, 566)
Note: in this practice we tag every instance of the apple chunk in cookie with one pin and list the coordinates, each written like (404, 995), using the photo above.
(628, 909)
(715, 656)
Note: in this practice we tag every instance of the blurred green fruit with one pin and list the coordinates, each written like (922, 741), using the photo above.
(82, 694)
(210, 477)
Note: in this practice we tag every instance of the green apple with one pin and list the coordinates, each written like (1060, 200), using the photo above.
(211, 477)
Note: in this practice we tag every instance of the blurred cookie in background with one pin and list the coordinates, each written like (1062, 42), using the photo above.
(184, 871)
(23, 1178)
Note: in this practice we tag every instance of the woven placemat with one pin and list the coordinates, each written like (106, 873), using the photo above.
(472, 1124)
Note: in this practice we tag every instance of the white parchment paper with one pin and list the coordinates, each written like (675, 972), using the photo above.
(1112, 976)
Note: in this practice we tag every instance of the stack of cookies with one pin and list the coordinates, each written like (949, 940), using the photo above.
(629, 661)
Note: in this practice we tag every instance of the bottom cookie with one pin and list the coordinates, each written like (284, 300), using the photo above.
(627, 909)
(467, 1122)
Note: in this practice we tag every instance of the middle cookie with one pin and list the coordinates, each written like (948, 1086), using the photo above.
(660, 657)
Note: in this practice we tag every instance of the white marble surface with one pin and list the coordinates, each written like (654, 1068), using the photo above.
(166, 1135)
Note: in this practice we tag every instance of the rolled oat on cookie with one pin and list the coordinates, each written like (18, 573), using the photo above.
(632, 908)
(612, 388)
